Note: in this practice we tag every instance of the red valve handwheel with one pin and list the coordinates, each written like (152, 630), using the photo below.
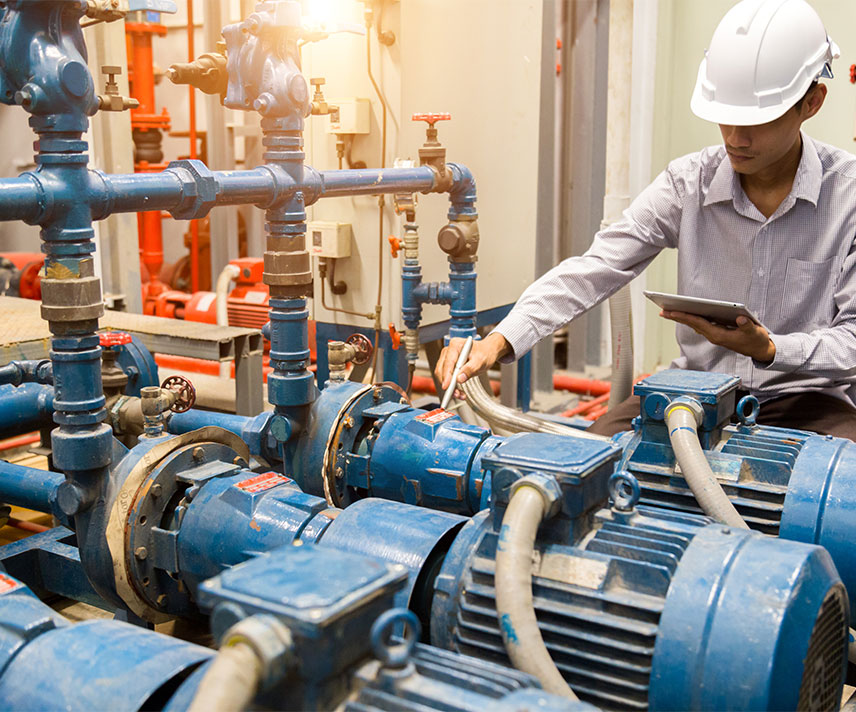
(113, 338)
(362, 347)
(432, 117)
(184, 390)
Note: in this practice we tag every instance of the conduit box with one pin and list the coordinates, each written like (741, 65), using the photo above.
(329, 239)
(353, 116)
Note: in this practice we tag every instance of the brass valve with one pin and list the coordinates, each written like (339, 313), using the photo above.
(320, 107)
(207, 72)
(357, 350)
(432, 152)
(111, 99)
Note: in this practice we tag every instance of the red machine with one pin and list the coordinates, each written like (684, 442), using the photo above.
(21, 274)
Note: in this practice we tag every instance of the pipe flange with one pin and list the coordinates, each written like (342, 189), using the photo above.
(130, 505)
(351, 429)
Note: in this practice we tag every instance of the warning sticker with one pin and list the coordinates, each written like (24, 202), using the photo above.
(262, 482)
(8, 584)
(438, 415)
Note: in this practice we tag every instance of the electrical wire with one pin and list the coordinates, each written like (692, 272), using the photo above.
(381, 200)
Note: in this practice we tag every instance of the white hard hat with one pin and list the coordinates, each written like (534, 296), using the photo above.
(763, 57)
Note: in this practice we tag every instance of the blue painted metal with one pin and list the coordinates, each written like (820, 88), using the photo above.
(139, 366)
(18, 372)
(636, 605)
(25, 408)
(783, 482)
(46, 663)
(418, 539)
(29, 487)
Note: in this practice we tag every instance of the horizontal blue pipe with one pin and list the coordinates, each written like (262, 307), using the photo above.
(376, 180)
(19, 199)
(180, 423)
(28, 487)
(24, 408)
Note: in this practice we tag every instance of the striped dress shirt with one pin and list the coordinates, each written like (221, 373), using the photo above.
(796, 271)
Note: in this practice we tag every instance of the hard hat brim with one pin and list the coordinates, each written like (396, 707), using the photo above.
(729, 115)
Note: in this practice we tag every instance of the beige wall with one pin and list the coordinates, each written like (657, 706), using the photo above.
(685, 28)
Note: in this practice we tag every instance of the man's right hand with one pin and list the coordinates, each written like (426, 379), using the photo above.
(484, 354)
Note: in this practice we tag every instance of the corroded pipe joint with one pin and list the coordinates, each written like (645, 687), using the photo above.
(71, 297)
(154, 402)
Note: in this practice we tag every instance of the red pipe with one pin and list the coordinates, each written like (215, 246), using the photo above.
(31, 527)
(22, 441)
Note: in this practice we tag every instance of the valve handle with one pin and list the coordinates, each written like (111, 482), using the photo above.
(109, 339)
(394, 245)
(363, 348)
(431, 118)
(853, 73)
(184, 391)
(394, 337)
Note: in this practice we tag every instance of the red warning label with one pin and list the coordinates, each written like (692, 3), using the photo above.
(8, 584)
(438, 415)
(262, 482)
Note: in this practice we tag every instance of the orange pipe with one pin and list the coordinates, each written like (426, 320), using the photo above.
(21, 441)
(584, 386)
(586, 407)
(31, 527)
(425, 384)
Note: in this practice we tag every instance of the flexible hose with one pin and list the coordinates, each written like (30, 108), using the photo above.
(231, 682)
(683, 433)
(515, 609)
(621, 326)
(503, 417)
(224, 281)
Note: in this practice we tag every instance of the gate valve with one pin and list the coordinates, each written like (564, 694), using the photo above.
(363, 348)
(111, 99)
(431, 118)
(320, 107)
(184, 392)
(394, 337)
(394, 245)
(113, 339)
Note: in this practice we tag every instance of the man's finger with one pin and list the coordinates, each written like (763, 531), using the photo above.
(447, 360)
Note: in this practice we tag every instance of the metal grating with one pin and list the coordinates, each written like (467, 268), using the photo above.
(821, 682)
(601, 639)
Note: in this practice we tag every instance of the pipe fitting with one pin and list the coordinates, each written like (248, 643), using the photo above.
(199, 189)
(270, 640)
(687, 403)
(460, 240)
(547, 486)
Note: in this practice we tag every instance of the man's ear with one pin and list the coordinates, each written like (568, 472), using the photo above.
(814, 101)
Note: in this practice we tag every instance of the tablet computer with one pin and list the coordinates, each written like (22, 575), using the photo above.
(714, 310)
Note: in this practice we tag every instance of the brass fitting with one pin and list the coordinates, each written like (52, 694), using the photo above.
(207, 73)
(111, 99)
(320, 107)
(460, 240)
(339, 355)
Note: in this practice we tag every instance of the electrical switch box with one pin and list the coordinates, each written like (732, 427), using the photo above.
(351, 118)
(329, 239)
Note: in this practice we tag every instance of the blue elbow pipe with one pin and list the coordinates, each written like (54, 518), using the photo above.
(28, 487)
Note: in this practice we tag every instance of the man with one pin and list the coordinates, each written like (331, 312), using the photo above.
(767, 219)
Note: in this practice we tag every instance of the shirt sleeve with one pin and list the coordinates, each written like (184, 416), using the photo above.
(617, 255)
(828, 352)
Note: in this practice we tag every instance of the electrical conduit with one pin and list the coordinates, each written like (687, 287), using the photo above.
(224, 281)
(515, 609)
(682, 420)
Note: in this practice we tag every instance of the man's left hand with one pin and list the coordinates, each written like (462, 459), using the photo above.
(749, 338)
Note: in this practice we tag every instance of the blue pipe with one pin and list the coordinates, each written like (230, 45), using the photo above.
(25, 408)
(376, 180)
(18, 372)
(28, 487)
(180, 423)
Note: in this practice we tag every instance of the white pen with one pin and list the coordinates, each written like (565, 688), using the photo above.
(462, 359)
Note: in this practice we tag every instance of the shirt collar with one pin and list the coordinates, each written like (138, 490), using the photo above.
(725, 185)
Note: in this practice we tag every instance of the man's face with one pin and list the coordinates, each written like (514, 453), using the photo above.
(753, 149)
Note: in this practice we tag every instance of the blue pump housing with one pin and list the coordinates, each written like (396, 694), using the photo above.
(783, 482)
